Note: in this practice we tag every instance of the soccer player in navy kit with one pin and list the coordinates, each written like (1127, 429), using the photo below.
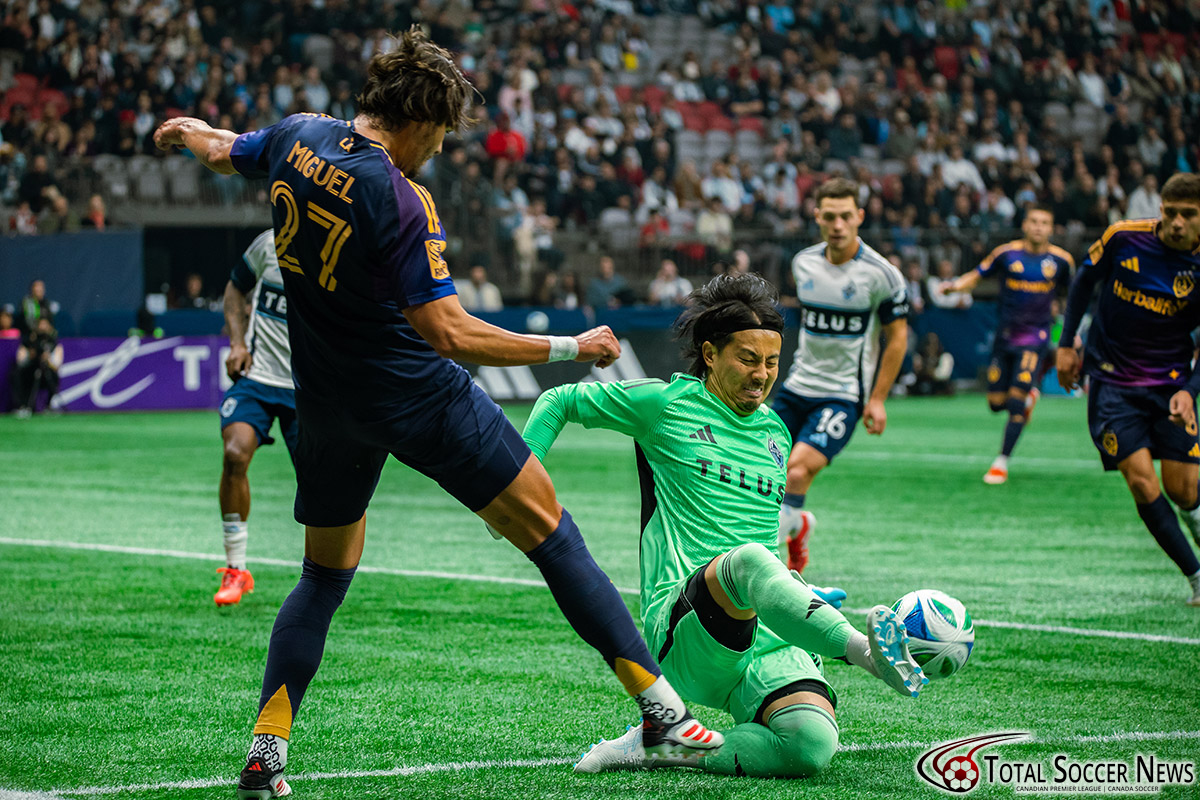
(374, 321)
(1142, 400)
(1031, 272)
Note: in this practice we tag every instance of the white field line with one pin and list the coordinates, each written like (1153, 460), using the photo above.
(453, 576)
(425, 769)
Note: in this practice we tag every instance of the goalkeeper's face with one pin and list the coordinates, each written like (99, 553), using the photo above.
(743, 371)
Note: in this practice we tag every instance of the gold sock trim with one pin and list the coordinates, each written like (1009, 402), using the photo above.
(634, 677)
(276, 716)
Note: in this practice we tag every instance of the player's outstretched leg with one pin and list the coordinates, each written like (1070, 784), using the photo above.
(798, 741)
(753, 579)
(594, 608)
(1157, 514)
(297, 644)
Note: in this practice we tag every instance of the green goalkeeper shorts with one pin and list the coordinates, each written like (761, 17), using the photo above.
(704, 671)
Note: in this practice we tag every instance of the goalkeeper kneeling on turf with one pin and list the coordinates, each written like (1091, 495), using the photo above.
(732, 628)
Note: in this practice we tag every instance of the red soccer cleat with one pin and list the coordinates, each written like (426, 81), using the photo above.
(798, 542)
(1031, 400)
(234, 584)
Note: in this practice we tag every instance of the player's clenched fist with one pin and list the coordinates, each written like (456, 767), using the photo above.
(599, 345)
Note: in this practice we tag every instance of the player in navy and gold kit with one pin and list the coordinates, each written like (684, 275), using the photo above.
(1142, 400)
(374, 321)
(1031, 272)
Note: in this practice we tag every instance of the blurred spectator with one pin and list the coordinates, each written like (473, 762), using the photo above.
(8, 329)
(193, 293)
(608, 289)
(668, 288)
(721, 185)
(946, 272)
(58, 218)
(1145, 200)
(38, 360)
(571, 295)
(714, 226)
(23, 221)
(35, 183)
(547, 292)
(35, 306)
(932, 366)
(97, 215)
(654, 231)
(477, 293)
(914, 278)
(505, 145)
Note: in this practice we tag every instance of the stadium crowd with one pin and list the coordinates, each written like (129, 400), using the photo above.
(678, 128)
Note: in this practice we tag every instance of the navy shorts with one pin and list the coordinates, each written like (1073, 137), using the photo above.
(1124, 419)
(1014, 367)
(823, 423)
(257, 405)
(463, 442)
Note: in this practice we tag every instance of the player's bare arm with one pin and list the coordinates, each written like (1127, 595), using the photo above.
(237, 318)
(210, 145)
(457, 335)
(874, 415)
(963, 283)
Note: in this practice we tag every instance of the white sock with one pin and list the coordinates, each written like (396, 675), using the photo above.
(1192, 520)
(791, 519)
(660, 702)
(271, 749)
(1194, 580)
(1001, 462)
(236, 534)
(858, 653)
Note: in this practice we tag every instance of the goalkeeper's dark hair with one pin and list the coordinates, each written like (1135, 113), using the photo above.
(417, 81)
(722, 307)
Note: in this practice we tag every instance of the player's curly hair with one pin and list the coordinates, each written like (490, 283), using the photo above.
(417, 81)
(722, 307)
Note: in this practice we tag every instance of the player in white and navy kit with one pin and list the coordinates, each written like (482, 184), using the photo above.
(849, 296)
(260, 365)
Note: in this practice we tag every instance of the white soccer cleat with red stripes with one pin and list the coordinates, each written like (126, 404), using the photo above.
(680, 745)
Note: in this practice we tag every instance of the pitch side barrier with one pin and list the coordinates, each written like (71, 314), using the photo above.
(185, 368)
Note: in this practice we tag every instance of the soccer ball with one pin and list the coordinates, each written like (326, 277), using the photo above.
(940, 631)
(537, 322)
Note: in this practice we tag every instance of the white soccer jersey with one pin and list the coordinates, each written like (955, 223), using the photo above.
(267, 336)
(842, 307)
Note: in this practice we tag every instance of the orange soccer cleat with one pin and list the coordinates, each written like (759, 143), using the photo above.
(234, 584)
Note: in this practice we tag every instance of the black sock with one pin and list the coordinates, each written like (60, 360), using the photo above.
(1161, 520)
(593, 605)
(1016, 423)
(297, 644)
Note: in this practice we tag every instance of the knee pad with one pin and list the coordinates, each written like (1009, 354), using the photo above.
(809, 737)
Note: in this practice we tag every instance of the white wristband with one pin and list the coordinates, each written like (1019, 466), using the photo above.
(562, 348)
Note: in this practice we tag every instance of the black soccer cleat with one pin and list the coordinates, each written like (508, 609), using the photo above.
(260, 782)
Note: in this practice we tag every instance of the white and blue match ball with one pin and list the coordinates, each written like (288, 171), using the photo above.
(537, 322)
(940, 632)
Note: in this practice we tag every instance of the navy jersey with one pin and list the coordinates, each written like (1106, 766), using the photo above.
(357, 243)
(1148, 307)
(1028, 285)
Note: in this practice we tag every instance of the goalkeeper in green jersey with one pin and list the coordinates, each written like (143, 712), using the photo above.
(732, 627)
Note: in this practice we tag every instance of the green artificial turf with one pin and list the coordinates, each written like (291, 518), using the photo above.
(120, 678)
